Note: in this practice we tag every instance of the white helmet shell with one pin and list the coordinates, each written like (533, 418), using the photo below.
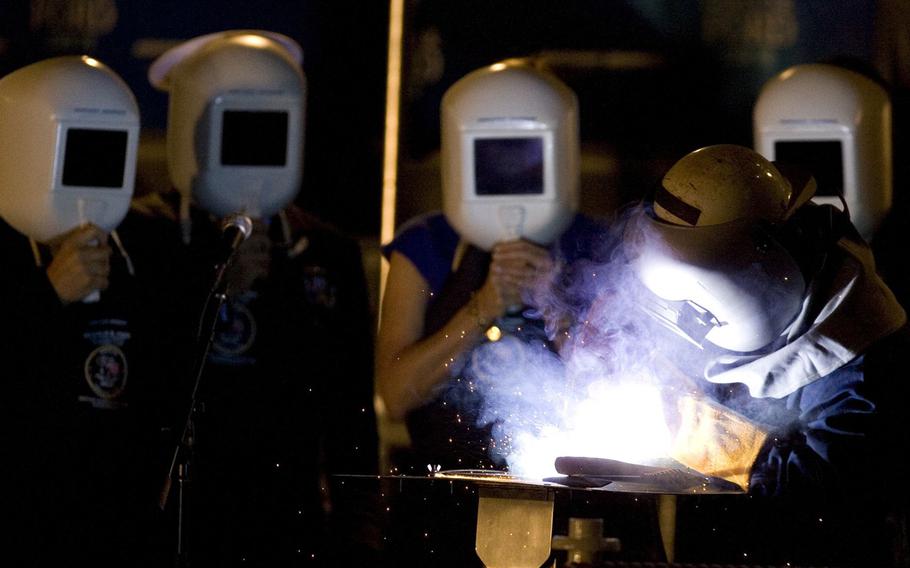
(722, 183)
(510, 155)
(836, 123)
(235, 120)
(69, 129)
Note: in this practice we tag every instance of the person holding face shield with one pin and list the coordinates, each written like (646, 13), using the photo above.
(285, 395)
(470, 274)
(791, 341)
(83, 393)
(482, 273)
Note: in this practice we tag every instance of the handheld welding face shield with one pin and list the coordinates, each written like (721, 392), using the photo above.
(235, 120)
(69, 129)
(510, 155)
(835, 123)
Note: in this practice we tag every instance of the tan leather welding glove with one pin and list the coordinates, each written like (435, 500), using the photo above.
(716, 441)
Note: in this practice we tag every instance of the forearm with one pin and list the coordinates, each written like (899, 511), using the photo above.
(409, 378)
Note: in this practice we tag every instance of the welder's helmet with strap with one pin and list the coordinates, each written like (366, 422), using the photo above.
(235, 120)
(709, 250)
(509, 154)
(69, 132)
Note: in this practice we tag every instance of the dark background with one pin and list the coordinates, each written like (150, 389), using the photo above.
(655, 78)
(344, 45)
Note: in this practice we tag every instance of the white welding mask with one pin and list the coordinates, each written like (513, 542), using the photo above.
(69, 130)
(235, 120)
(510, 155)
(836, 124)
(709, 254)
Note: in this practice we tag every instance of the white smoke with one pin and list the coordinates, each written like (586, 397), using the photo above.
(600, 396)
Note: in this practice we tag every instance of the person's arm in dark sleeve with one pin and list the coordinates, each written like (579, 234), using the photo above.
(827, 444)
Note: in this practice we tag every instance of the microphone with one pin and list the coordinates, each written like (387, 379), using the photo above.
(235, 229)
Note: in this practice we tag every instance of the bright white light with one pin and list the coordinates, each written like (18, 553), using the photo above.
(623, 422)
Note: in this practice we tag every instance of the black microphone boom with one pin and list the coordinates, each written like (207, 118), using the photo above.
(234, 230)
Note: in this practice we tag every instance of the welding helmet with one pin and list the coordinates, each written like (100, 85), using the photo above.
(235, 120)
(69, 130)
(836, 123)
(709, 251)
(510, 154)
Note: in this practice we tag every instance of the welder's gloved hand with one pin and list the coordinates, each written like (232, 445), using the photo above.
(716, 441)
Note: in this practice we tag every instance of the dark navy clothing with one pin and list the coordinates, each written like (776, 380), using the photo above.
(285, 402)
(429, 242)
(828, 486)
(84, 389)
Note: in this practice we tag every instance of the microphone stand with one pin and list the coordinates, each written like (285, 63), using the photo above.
(182, 459)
